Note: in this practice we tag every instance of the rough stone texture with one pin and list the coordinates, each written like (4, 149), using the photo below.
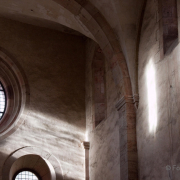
(161, 148)
(104, 139)
(54, 64)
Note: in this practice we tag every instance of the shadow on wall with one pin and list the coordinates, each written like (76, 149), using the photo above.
(56, 129)
(54, 64)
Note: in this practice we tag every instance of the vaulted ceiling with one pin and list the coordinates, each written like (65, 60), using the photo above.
(50, 14)
(122, 15)
(46, 13)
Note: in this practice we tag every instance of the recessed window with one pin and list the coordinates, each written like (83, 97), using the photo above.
(26, 175)
(2, 101)
(169, 23)
(99, 87)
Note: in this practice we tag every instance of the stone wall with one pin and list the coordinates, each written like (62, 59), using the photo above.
(54, 64)
(104, 139)
(158, 141)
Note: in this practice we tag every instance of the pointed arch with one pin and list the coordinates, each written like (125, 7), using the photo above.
(94, 21)
(90, 17)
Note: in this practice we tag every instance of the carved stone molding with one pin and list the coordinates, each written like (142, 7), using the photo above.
(86, 145)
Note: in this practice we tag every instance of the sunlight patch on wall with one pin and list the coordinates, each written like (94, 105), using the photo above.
(86, 136)
(152, 97)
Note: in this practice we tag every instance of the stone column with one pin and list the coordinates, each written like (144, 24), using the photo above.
(127, 137)
(86, 147)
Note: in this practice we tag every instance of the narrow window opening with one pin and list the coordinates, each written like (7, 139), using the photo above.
(2, 101)
(26, 175)
(99, 89)
(169, 23)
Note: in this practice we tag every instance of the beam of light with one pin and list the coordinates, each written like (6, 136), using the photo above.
(152, 98)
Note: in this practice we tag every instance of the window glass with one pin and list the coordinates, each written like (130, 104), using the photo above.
(26, 175)
(2, 101)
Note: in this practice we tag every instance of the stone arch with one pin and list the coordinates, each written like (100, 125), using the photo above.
(31, 150)
(90, 17)
(33, 163)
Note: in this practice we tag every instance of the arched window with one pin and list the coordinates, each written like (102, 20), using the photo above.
(2, 101)
(99, 87)
(26, 175)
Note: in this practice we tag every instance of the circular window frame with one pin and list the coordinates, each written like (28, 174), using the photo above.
(16, 88)
(27, 169)
(5, 100)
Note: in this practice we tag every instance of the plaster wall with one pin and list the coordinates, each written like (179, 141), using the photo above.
(161, 147)
(54, 64)
(104, 139)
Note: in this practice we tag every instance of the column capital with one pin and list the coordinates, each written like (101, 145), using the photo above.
(86, 145)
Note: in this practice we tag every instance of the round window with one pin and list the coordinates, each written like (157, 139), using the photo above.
(26, 175)
(2, 101)
(14, 96)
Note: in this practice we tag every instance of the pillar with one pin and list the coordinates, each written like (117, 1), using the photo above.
(86, 147)
(127, 138)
